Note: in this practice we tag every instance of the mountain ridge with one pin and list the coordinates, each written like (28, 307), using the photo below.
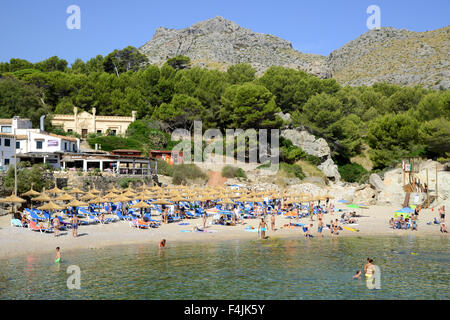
(397, 56)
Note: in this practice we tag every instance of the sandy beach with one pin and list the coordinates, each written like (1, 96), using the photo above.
(17, 241)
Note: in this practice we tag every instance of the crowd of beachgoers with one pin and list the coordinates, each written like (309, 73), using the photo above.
(152, 207)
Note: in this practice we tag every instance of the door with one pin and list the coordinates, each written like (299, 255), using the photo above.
(84, 133)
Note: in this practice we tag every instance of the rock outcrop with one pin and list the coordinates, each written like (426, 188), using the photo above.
(316, 147)
(218, 43)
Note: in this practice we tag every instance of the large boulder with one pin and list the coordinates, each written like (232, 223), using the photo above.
(330, 169)
(315, 147)
(376, 182)
(365, 196)
(309, 143)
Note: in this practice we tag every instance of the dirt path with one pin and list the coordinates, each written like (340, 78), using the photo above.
(216, 179)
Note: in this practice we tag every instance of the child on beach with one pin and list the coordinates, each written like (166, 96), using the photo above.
(58, 255)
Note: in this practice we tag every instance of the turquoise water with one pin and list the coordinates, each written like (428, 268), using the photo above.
(271, 269)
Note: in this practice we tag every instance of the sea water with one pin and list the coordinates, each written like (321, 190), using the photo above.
(411, 268)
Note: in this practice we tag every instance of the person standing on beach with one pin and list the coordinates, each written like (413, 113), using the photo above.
(56, 224)
(204, 219)
(162, 243)
(331, 208)
(262, 228)
(442, 213)
(272, 222)
(74, 222)
(414, 221)
(165, 216)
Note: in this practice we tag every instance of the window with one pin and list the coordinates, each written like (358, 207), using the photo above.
(6, 129)
(17, 144)
(7, 142)
(6, 162)
(99, 131)
(69, 130)
(74, 147)
(39, 144)
(65, 145)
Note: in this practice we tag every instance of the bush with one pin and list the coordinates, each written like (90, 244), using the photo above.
(233, 172)
(293, 170)
(94, 172)
(110, 143)
(164, 168)
(353, 172)
(125, 182)
(185, 172)
(313, 159)
(26, 176)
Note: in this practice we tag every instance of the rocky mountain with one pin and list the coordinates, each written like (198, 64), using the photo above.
(218, 43)
(386, 55)
(395, 56)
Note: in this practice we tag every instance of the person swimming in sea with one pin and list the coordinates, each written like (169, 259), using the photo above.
(357, 274)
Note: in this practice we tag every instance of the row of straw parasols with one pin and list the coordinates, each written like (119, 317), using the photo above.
(162, 196)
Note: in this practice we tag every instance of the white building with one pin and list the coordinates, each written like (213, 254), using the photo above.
(6, 150)
(34, 145)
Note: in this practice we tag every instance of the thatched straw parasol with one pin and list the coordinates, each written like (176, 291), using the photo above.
(88, 196)
(76, 191)
(55, 190)
(64, 197)
(120, 198)
(162, 201)
(42, 198)
(113, 189)
(51, 206)
(76, 203)
(13, 199)
(95, 191)
(30, 193)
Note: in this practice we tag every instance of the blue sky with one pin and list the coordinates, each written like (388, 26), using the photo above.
(36, 30)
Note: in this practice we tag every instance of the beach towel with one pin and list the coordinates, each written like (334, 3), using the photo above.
(183, 224)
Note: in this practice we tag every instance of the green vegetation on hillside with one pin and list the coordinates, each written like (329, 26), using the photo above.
(393, 121)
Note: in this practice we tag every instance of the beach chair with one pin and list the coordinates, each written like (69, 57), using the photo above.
(93, 219)
(64, 223)
(32, 226)
(35, 217)
(134, 223)
(16, 223)
(123, 217)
